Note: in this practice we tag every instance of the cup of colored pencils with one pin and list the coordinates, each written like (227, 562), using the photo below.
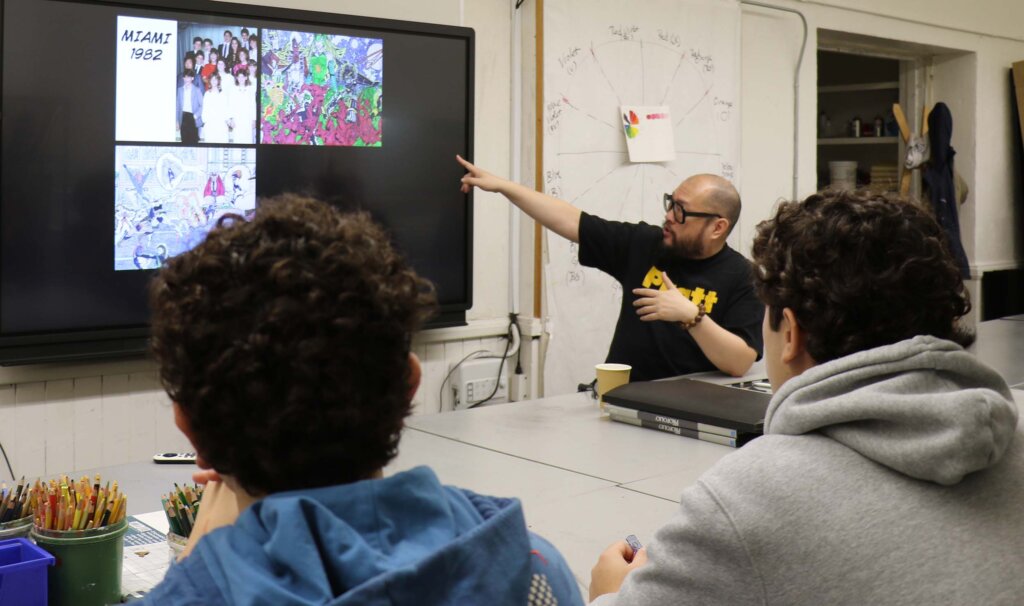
(181, 506)
(75, 506)
(16, 507)
(82, 523)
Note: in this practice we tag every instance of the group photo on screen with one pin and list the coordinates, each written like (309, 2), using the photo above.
(216, 83)
(167, 198)
(320, 89)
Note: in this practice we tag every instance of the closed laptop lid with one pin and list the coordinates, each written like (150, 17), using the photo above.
(740, 409)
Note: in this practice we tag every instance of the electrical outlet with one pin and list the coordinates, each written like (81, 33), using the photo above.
(475, 380)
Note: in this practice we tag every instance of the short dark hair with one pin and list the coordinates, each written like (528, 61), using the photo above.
(228, 32)
(197, 39)
(244, 30)
(205, 40)
(285, 342)
(859, 270)
(188, 73)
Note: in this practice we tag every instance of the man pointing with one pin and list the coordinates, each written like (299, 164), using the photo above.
(694, 307)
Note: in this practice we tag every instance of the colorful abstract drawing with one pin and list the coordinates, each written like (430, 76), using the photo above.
(168, 198)
(320, 89)
(631, 120)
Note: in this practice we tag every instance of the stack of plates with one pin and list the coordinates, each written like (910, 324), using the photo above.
(885, 177)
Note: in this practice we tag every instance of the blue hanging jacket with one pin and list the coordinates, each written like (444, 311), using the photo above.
(938, 180)
(405, 539)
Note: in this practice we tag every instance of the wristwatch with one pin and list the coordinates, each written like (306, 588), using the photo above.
(701, 312)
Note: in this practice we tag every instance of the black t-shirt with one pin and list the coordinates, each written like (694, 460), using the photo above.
(629, 252)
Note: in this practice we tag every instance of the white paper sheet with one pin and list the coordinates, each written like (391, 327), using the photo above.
(648, 132)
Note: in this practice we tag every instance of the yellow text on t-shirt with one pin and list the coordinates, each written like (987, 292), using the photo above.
(698, 295)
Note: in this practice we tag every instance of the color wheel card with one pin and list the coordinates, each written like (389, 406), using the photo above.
(648, 131)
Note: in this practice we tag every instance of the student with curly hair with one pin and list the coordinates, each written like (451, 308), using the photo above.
(890, 469)
(284, 344)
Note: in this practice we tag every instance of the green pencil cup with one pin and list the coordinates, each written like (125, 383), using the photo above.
(16, 528)
(88, 568)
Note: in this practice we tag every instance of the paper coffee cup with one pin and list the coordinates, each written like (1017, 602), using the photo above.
(610, 376)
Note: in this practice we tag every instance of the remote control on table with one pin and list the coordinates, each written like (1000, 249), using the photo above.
(175, 457)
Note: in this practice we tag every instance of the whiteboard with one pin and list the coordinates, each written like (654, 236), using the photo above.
(598, 56)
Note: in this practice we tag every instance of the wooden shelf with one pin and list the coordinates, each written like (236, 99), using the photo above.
(858, 141)
(849, 88)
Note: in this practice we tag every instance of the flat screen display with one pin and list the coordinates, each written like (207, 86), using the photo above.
(129, 129)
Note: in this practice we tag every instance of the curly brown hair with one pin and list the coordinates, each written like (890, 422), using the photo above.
(285, 342)
(859, 270)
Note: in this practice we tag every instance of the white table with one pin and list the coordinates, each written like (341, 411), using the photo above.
(584, 481)
(570, 432)
(573, 469)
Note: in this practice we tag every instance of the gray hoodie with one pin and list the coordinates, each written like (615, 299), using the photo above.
(891, 476)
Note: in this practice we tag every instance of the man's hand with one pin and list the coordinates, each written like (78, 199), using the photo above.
(612, 567)
(477, 177)
(668, 305)
(557, 215)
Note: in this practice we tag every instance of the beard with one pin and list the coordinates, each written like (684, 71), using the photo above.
(682, 249)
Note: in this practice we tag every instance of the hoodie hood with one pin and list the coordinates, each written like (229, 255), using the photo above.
(405, 539)
(923, 407)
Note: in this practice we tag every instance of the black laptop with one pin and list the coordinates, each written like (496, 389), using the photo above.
(740, 409)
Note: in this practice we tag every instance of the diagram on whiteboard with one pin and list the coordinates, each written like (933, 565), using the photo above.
(682, 56)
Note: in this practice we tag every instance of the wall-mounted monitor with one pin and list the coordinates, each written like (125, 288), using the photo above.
(128, 128)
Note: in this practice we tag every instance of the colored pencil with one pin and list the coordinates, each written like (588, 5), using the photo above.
(181, 506)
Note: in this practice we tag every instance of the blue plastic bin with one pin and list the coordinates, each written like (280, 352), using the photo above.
(23, 573)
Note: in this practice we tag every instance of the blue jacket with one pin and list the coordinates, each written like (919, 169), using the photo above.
(197, 104)
(405, 539)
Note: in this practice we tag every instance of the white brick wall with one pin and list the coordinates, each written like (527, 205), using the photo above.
(56, 425)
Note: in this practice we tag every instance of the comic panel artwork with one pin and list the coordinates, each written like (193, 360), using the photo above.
(320, 89)
(168, 198)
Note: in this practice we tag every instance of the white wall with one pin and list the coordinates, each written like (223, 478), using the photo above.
(984, 38)
(57, 426)
(770, 48)
(991, 18)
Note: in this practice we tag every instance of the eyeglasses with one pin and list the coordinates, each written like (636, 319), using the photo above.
(681, 213)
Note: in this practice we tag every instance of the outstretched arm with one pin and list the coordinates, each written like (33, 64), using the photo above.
(727, 351)
(557, 215)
